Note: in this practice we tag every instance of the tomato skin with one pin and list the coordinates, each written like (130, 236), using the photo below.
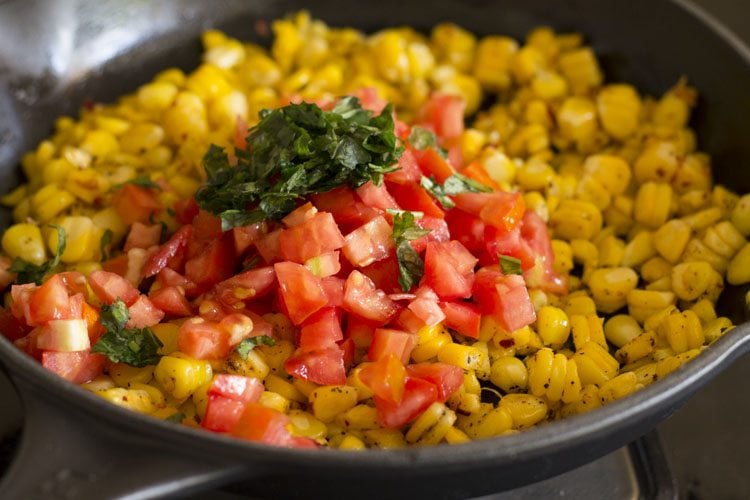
(173, 249)
(214, 264)
(77, 366)
(245, 236)
(269, 246)
(109, 287)
(540, 274)
(418, 396)
(433, 165)
(360, 331)
(425, 306)
(11, 327)
(439, 232)
(363, 299)
(170, 277)
(222, 414)
(408, 171)
(500, 209)
(313, 237)
(301, 291)
(448, 270)
(386, 342)
(324, 367)
(135, 203)
(144, 313)
(474, 170)
(446, 378)
(504, 297)
(264, 425)
(333, 287)
(466, 229)
(237, 387)
(171, 300)
(247, 285)
(444, 113)
(376, 196)
(369, 243)
(412, 196)
(50, 301)
(142, 236)
(384, 274)
(385, 378)
(408, 321)
(463, 317)
(344, 205)
(321, 330)
(185, 210)
(203, 339)
(227, 398)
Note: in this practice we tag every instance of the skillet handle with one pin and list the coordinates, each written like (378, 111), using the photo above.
(74, 455)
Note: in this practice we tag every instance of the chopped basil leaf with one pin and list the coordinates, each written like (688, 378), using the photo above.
(247, 345)
(437, 191)
(104, 244)
(295, 151)
(510, 265)
(26, 272)
(410, 265)
(134, 346)
(458, 183)
(422, 138)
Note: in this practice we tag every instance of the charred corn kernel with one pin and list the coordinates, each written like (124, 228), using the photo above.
(639, 249)
(587, 329)
(494, 422)
(276, 384)
(694, 172)
(552, 326)
(575, 219)
(525, 410)
(351, 442)
(653, 204)
(124, 375)
(167, 333)
(305, 425)
(466, 357)
(595, 364)
(683, 331)
(618, 387)
(644, 303)
(100, 383)
(741, 215)
(533, 344)
(724, 239)
(619, 108)
(275, 401)
(132, 399)
(509, 374)
(385, 438)
(540, 367)
(738, 271)
(360, 417)
(579, 304)
(637, 348)
(692, 201)
(157, 397)
(671, 239)
(471, 383)
(185, 118)
(691, 279)
(621, 329)
(431, 347)
(275, 355)
(254, 365)
(697, 251)
(658, 163)
(666, 366)
(200, 399)
(577, 119)
(703, 218)
(563, 261)
(705, 311)
(24, 241)
(724, 199)
(432, 425)
(612, 172)
(646, 373)
(589, 400)
(610, 287)
(456, 436)
(571, 391)
(492, 62)
(180, 375)
(716, 328)
(331, 400)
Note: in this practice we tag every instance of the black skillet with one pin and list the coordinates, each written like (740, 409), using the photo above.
(54, 55)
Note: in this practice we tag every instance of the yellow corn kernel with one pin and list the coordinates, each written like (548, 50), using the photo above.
(56, 171)
(671, 239)
(331, 400)
(275, 355)
(463, 402)
(658, 162)
(618, 387)
(587, 329)
(472, 141)
(552, 326)
(691, 279)
(655, 269)
(619, 108)
(595, 364)
(492, 62)
(100, 383)
(682, 330)
(578, 303)
(385, 438)
(454, 45)
(132, 399)
(577, 120)
(637, 348)
(463, 356)
(591, 190)
(305, 425)
(741, 215)
(141, 138)
(534, 174)
(24, 241)
(360, 417)
(724, 239)
(621, 329)
(353, 380)
(549, 85)
(535, 201)
(99, 143)
(304, 386)
(653, 204)
(610, 171)
(276, 384)
(671, 111)
(124, 375)
(185, 118)
(157, 397)
(581, 69)
(431, 347)
(509, 374)
(525, 410)
(589, 400)
(694, 172)
(274, 401)
(716, 328)
(82, 239)
(585, 252)
(697, 251)
(351, 442)
(644, 303)
(15, 196)
(610, 287)
(666, 366)
(431, 426)
(50, 201)
(703, 218)
(618, 215)
(526, 63)
(157, 95)
(181, 375)
(639, 249)
(576, 219)
(705, 311)
(563, 261)
(254, 365)
(167, 333)
(738, 271)
(456, 436)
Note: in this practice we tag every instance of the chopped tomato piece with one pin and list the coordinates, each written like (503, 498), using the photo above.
(444, 113)
(505, 297)
(185, 210)
(144, 313)
(345, 207)
(369, 243)
(448, 270)
(438, 232)
(385, 378)
(245, 236)
(500, 209)
(334, 290)
(360, 331)
(222, 414)
(376, 196)
(269, 246)
(135, 203)
(363, 299)
(348, 347)
(387, 341)
(247, 285)
(325, 264)
(315, 236)
(78, 366)
(384, 274)
(432, 164)
(12, 327)
(300, 289)
(412, 196)
(446, 378)
(236, 387)
(170, 277)
(463, 317)
(474, 170)
(216, 263)
(425, 306)
(324, 367)
(206, 227)
(264, 425)
(321, 330)
(407, 172)
(50, 301)
(203, 339)
(408, 321)
(300, 215)
(535, 233)
(466, 228)
(172, 301)
(143, 236)
(418, 396)
(109, 287)
(370, 100)
(172, 250)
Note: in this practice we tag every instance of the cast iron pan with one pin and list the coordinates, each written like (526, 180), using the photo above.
(53, 55)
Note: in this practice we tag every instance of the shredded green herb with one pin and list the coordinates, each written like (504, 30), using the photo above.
(26, 272)
(410, 264)
(134, 346)
(104, 244)
(295, 151)
(510, 265)
(247, 345)
(422, 138)
(437, 191)
(141, 181)
(458, 183)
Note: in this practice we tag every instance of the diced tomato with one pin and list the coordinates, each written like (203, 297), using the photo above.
(227, 398)
(348, 347)
(384, 274)
(324, 367)
(11, 327)
(448, 270)
(463, 317)
(300, 215)
(269, 246)
(239, 327)
(385, 378)
(360, 331)
(78, 367)
(334, 290)
(438, 232)
(500, 242)
(245, 236)
(19, 294)
(466, 228)
(535, 233)
(315, 236)
(345, 207)
(408, 321)
(325, 264)
(425, 306)
(222, 414)
(446, 378)
(6, 276)
(412, 196)
(444, 113)
(474, 170)
(75, 282)
(363, 299)
(264, 425)
(387, 341)
(216, 263)
(505, 297)
(370, 100)
(49, 301)
(170, 251)
(500, 209)
(240, 132)
(135, 203)
(117, 265)
(142, 236)
(94, 326)
(237, 387)
(260, 326)
(247, 285)
(170, 277)
(369, 243)
(206, 227)
(109, 287)
(407, 172)
(202, 339)
(185, 210)
(418, 396)
(172, 301)
(321, 330)
(376, 196)
(64, 335)
(300, 289)
(432, 164)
